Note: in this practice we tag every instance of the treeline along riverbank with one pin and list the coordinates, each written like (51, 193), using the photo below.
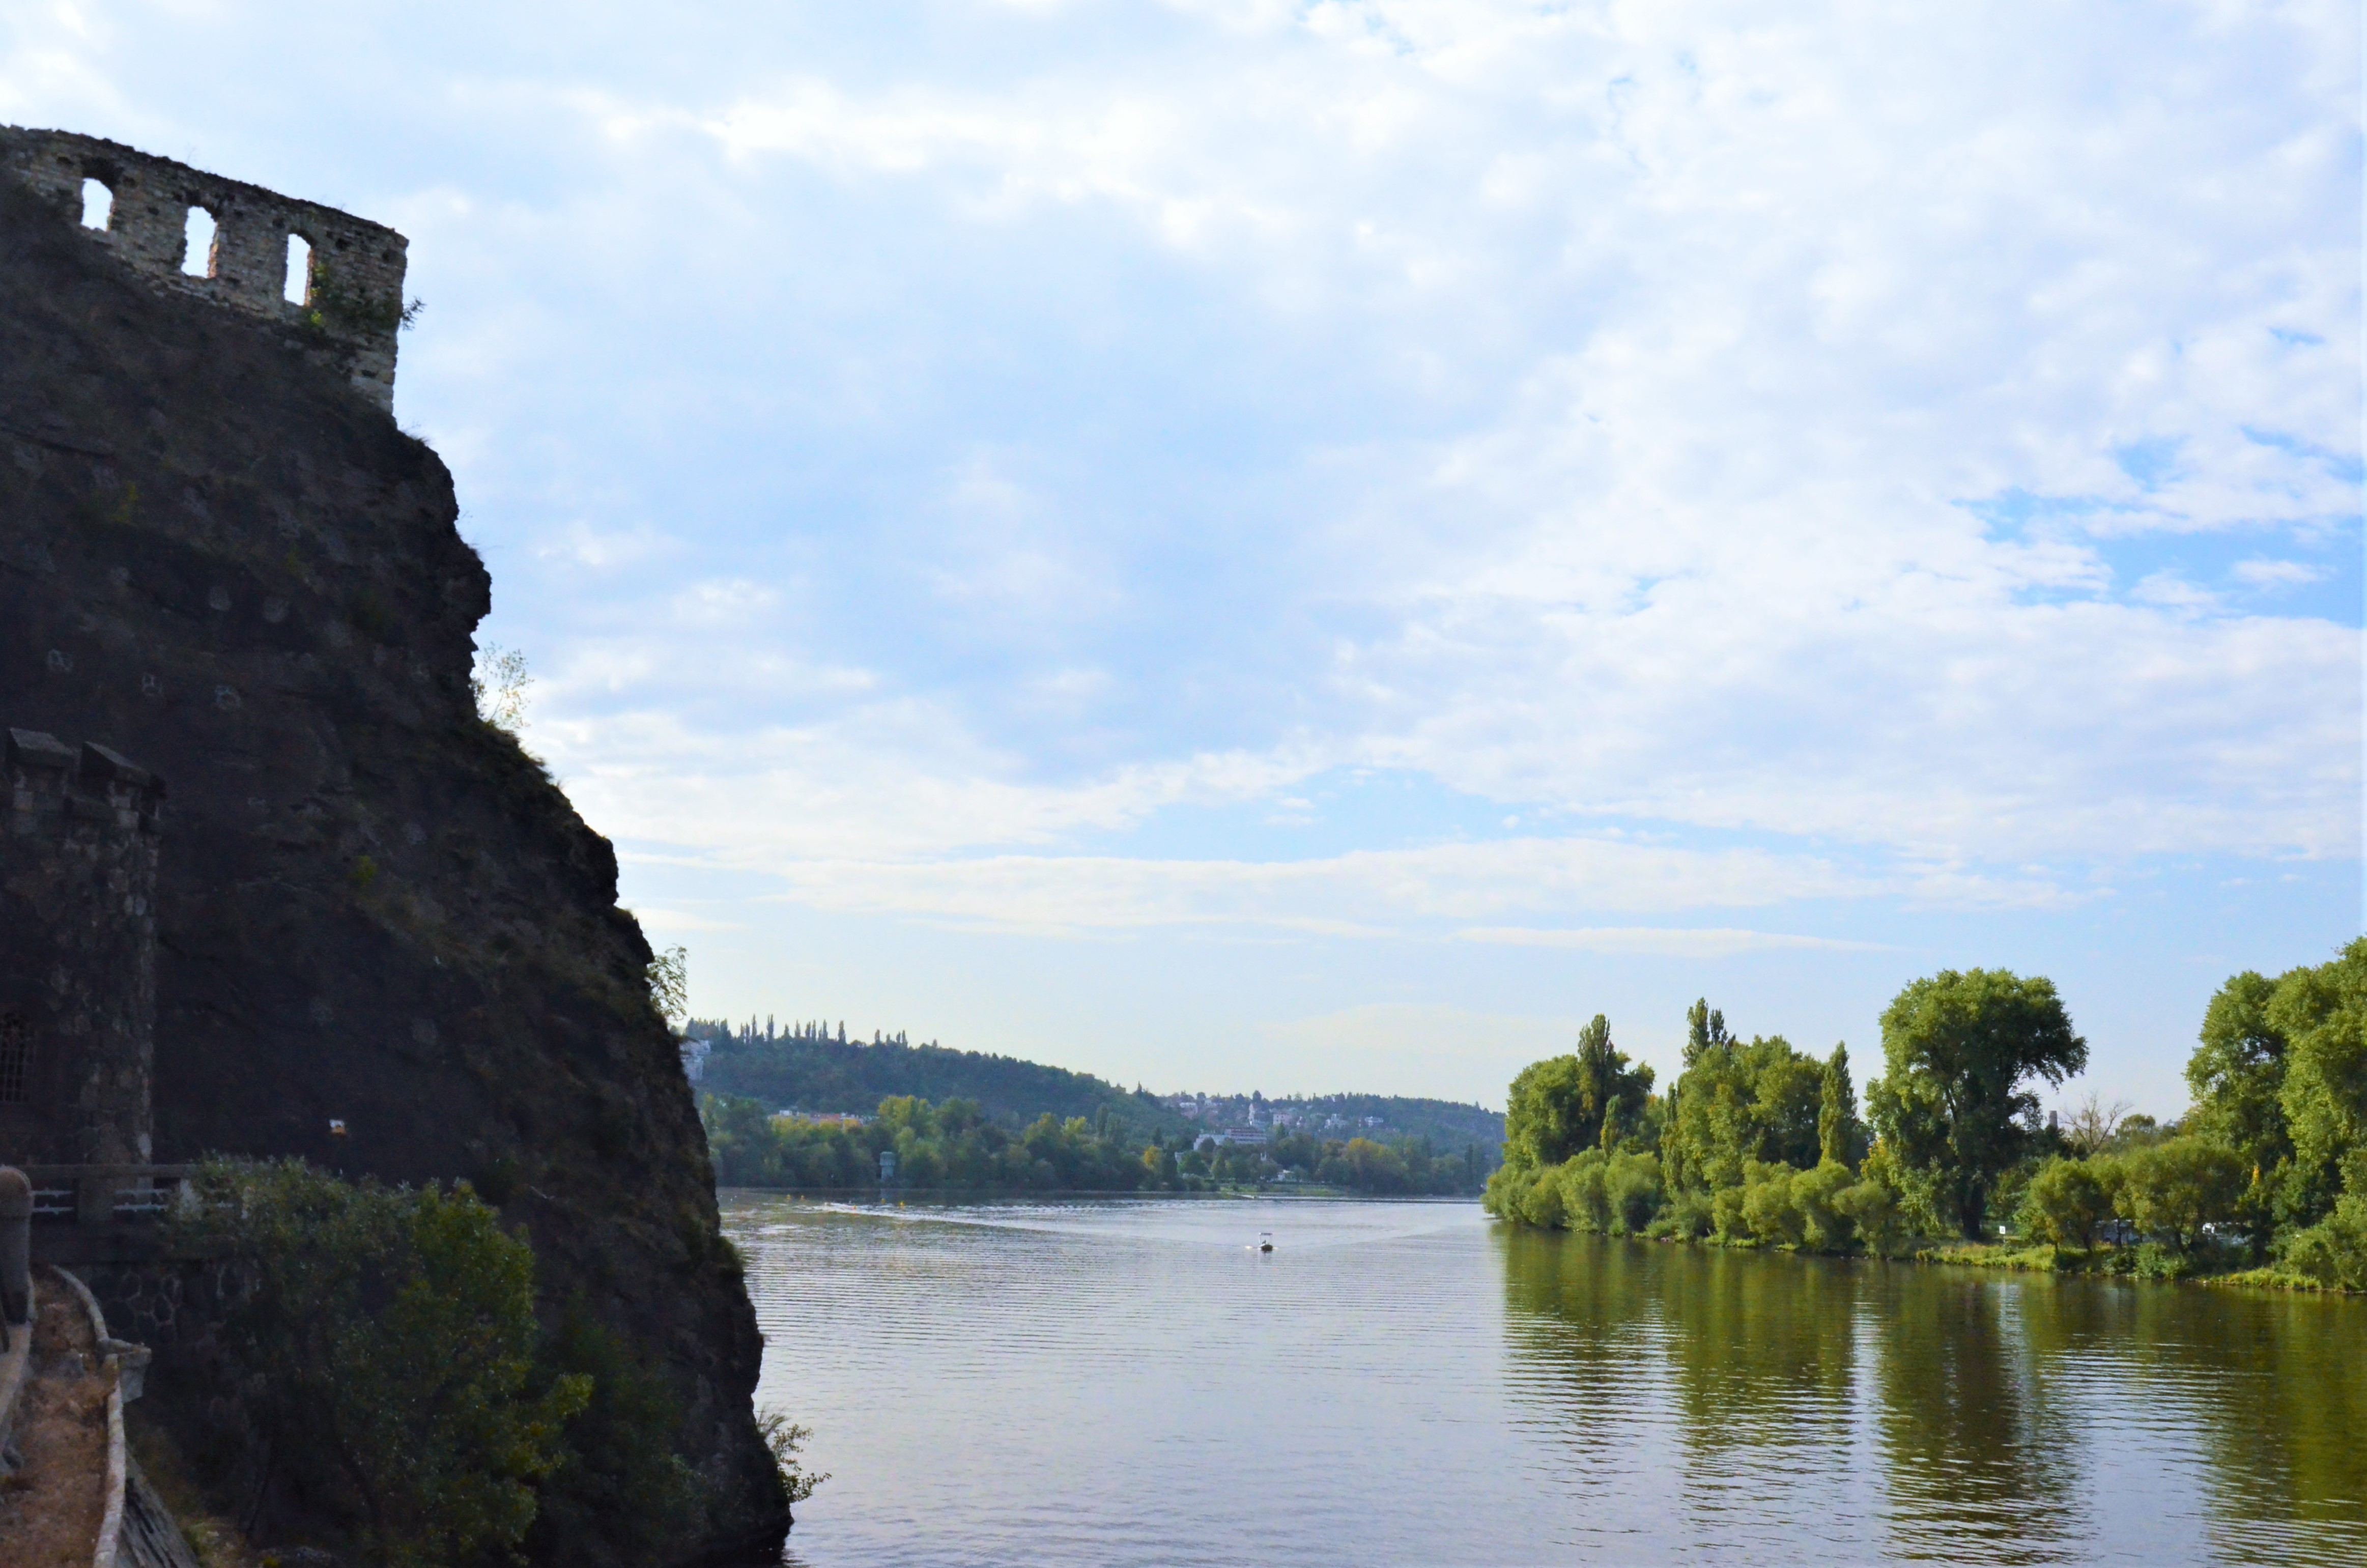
(955, 1146)
(1758, 1145)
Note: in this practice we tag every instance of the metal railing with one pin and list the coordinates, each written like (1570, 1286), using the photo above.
(105, 1195)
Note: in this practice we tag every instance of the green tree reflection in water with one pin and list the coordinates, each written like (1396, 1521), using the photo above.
(1794, 1407)
(1979, 1461)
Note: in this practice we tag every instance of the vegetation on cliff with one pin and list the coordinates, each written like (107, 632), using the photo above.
(1759, 1145)
(386, 1364)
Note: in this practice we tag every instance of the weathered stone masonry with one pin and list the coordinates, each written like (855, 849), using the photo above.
(78, 995)
(353, 297)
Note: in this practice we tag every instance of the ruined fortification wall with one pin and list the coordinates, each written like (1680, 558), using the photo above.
(77, 974)
(352, 304)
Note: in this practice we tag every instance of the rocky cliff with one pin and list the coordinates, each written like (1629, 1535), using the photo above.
(220, 560)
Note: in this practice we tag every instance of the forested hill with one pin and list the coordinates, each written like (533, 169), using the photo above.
(809, 1070)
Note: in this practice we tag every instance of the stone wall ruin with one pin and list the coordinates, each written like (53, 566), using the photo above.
(78, 983)
(352, 307)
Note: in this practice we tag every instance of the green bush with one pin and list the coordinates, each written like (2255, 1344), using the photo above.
(2178, 1186)
(386, 1342)
(1686, 1217)
(1825, 1225)
(620, 1493)
(1873, 1210)
(1728, 1218)
(1768, 1211)
(2334, 1251)
(1585, 1205)
(1634, 1192)
(2068, 1200)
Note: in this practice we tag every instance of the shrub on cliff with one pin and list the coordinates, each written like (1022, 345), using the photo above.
(386, 1341)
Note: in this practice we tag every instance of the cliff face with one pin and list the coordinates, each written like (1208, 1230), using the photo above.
(219, 559)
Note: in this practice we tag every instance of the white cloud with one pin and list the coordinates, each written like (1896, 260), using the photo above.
(1423, 891)
(1707, 942)
(927, 449)
(2265, 574)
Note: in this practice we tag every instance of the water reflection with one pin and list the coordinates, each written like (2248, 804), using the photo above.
(1839, 1409)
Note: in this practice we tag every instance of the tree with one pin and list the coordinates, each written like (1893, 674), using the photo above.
(2067, 1201)
(2322, 1014)
(1840, 1139)
(2094, 1125)
(2176, 1187)
(1958, 1049)
(1704, 1027)
(389, 1337)
(1737, 1104)
(1564, 1104)
(669, 974)
(2237, 1075)
(499, 684)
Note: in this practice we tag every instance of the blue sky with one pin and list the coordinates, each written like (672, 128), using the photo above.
(1302, 546)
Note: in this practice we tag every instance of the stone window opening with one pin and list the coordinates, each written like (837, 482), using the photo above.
(97, 204)
(16, 1059)
(298, 289)
(197, 245)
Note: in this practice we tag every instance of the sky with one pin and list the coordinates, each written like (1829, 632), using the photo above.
(1241, 544)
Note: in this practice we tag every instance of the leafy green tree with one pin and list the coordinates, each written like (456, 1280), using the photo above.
(2334, 1251)
(389, 1337)
(2067, 1201)
(1825, 1224)
(1565, 1104)
(1768, 1211)
(2237, 1076)
(1958, 1049)
(1841, 1139)
(1705, 1030)
(620, 1494)
(1873, 1208)
(2322, 1014)
(1616, 1193)
(1737, 1104)
(2176, 1187)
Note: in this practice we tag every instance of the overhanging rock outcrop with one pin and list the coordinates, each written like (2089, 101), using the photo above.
(371, 908)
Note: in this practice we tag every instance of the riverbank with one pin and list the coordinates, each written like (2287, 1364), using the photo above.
(2147, 1262)
(2158, 1265)
(872, 1196)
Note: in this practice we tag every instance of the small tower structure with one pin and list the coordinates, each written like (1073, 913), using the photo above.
(77, 954)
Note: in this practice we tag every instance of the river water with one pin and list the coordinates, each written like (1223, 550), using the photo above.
(1130, 1383)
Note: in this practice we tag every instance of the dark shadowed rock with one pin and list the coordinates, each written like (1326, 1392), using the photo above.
(220, 560)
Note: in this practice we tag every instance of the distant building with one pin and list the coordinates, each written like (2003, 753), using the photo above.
(693, 1059)
(886, 1166)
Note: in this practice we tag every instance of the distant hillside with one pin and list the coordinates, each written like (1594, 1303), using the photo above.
(811, 1070)
(1448, 1124)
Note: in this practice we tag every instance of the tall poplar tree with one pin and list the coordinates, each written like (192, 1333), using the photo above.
(1840, 1139)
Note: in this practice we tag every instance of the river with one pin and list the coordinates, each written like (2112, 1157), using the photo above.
(1131, 1383)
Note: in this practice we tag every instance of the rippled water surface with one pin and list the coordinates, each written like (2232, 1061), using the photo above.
(1123, 1383)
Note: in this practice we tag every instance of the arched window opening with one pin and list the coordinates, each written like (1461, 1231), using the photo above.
(198, 247)
(97, 204)
(16, 1059)
(300, 270)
